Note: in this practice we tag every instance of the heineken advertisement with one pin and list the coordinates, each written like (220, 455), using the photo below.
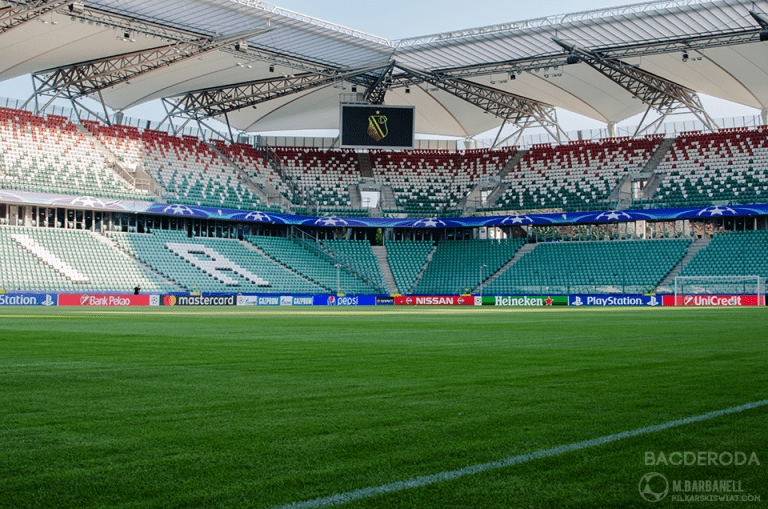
(525, 300)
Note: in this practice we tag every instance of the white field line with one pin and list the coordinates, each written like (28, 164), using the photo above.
(374, 491)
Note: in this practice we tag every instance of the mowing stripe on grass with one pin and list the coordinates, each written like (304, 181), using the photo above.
(374, 491)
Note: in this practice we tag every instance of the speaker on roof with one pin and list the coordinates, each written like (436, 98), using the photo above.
(764, 35)
(572, 59)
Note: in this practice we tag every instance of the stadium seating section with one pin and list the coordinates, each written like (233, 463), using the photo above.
(360, 251)
(153, 250)
(732, 254)
(66, 260)
(50, 155)
(420, 179)
(52, 259)
(476, 166)
(577, 176)
(313, 265)
(325, 176)
(251, 160)
(406, 260)
(730, 166)
(456, 266)
(628, 266)
(189, 170)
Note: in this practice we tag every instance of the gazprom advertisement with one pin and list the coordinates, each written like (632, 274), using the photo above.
(28, 299)
(614, 300)
(275, 300)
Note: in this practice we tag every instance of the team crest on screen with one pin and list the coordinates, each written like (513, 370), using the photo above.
(377, 126)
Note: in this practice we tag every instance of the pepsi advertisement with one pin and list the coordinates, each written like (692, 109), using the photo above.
(346, 300)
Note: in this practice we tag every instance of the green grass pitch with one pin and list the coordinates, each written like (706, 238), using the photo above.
(178, 407)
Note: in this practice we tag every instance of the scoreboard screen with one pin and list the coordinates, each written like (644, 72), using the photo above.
(372, 126)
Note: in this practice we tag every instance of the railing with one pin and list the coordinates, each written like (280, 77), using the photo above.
(327, 253)
(276, 162)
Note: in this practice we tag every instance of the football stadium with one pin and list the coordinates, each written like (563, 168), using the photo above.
(452, 300)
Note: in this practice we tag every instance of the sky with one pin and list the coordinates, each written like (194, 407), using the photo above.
(398, 19)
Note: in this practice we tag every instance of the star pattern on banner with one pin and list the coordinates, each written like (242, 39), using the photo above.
(258, 216)
(331, 221)
(717, 211)
(179, 209)
(429, 223)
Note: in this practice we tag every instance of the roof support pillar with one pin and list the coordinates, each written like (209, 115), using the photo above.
(764, 116)
(611, 129)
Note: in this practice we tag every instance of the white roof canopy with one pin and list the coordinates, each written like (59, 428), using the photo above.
(726, 58)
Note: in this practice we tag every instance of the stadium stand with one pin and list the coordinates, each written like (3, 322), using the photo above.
(456, 266)
(324, 175)
(732, 254)
(52, 259)
(726, 167)
(50, 155)
(407, 259)
(361, 252)
(189, 170)
(153, 249)
(251, 160)
(476, 166)
(311, 264)
(628, 266)
(420, 179)
(577, 176)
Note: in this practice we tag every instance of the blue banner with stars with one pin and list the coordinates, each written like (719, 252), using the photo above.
(89, 202)
(464, 222)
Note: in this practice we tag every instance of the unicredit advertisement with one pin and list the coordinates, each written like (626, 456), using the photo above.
(713, 300)
(615, 300)
(108, 300)
(447, 300)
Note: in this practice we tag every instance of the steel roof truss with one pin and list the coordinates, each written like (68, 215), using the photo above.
(86, 78)
(512, 109)
(660, 94)
(134, 25)
(220, 100)
(19, 12)
(657, 46)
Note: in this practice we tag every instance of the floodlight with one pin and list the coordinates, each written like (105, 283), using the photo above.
(77, 7)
